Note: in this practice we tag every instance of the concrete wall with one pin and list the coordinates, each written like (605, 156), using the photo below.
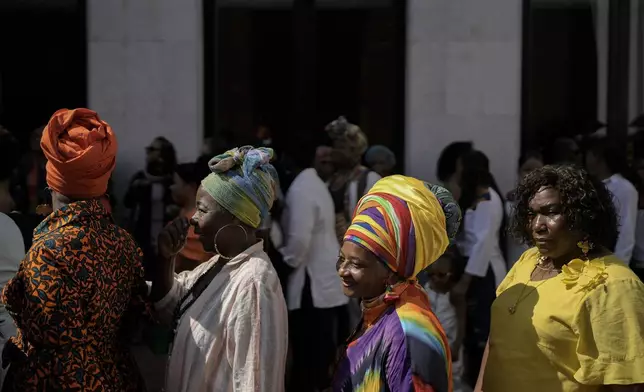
(463, 79)
(463, 82)
(145, 75)
(289, 3)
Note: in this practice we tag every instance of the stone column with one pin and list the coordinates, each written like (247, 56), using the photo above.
(145, 76)
(463, 82)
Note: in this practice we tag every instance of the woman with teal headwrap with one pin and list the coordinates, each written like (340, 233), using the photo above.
(228, 315)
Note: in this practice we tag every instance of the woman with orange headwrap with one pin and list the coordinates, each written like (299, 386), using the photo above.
(83, 273)
(401, 226)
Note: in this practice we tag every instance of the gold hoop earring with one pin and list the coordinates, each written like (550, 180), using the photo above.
(219, 231)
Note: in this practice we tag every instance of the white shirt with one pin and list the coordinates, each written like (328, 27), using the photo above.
(312, 248)
(234, 337)
(480, 240)
(625, 198)
(446, 314)
(12, 249)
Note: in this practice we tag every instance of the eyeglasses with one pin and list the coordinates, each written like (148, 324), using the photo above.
(348, 263)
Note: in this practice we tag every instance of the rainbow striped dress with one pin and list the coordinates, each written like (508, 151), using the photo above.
(403, 348)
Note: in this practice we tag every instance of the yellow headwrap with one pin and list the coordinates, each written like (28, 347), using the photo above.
(405, 222)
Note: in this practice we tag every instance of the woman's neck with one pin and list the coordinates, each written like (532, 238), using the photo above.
(237, 249)
(369, 303)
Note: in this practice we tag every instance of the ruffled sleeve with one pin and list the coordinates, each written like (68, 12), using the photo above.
(609, 325)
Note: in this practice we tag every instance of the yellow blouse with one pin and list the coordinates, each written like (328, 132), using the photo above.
(574, 332)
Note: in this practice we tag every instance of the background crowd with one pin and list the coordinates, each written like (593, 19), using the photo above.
(320, 185)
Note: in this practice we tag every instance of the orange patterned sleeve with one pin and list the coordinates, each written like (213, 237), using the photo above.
(46, 299)
(140, 306)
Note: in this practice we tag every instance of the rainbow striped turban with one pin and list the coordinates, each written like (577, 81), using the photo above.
(405, 222)
(243, 182)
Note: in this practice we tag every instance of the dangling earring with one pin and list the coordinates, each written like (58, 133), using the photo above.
(219, 231)
(586, 246)
(46, 208)
(390, 295)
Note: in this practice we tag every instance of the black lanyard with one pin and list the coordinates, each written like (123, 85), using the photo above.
(193, 294)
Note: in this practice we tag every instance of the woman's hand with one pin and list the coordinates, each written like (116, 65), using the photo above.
(173, 237)
(171, 240)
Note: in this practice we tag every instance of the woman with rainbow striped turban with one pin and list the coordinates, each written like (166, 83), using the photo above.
(401, 226)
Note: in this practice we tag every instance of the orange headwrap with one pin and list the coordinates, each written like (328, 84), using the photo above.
(81, 153)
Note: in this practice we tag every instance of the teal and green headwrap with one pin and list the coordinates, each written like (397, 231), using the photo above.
(243, 182)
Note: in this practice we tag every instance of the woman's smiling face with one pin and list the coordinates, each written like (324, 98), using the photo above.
(361, 273)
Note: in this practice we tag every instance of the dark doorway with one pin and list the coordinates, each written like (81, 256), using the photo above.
(559, 88)
(44, 61)
(357, 65)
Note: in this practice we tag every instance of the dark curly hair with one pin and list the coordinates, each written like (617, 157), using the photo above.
(446, 165)
(587, 204)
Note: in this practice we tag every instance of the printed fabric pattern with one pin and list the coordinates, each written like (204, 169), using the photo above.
(70, 299)
(405, 349)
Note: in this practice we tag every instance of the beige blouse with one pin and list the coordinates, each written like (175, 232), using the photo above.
(234, 337)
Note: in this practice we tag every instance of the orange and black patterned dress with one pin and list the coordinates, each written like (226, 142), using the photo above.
(70, 300)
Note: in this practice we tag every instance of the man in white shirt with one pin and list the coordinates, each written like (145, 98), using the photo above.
(314, 292)
(605, 162)
(12, 251)
(12, 245)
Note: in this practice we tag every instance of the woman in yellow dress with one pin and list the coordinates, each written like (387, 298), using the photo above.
(569, 316)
